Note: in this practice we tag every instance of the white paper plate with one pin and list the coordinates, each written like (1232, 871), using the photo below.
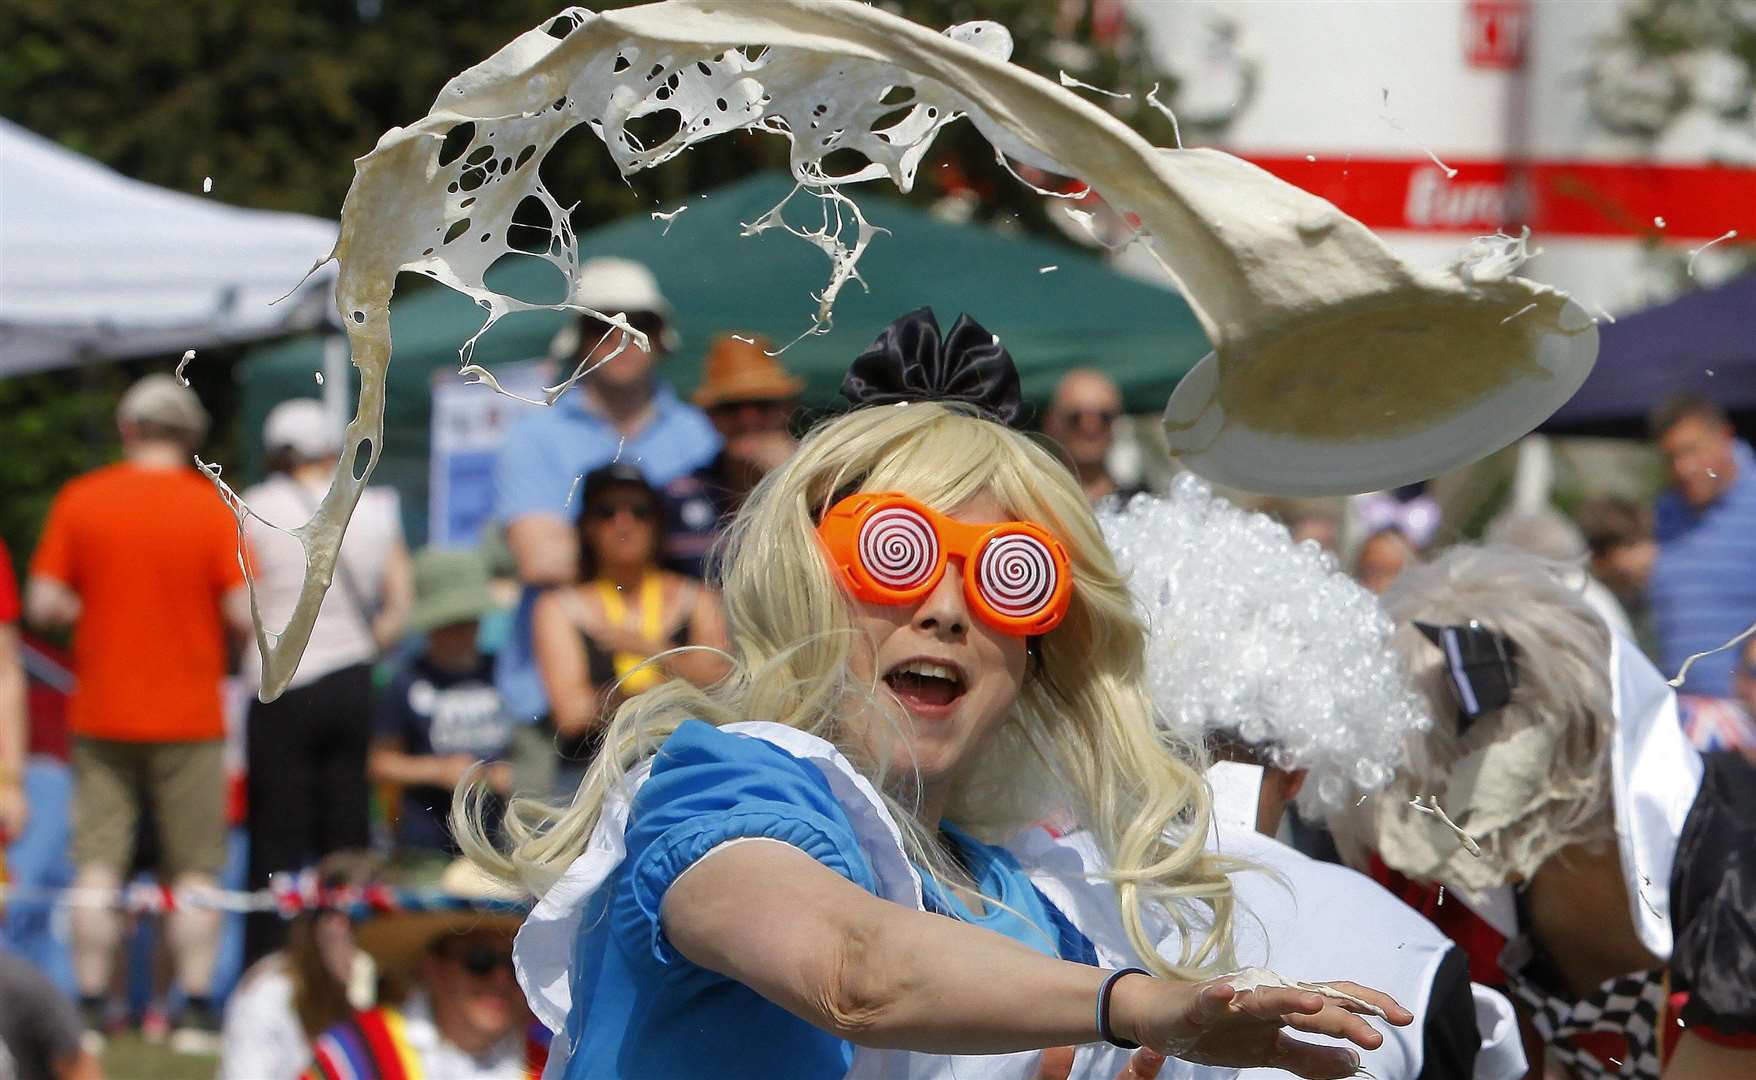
(1299, 437)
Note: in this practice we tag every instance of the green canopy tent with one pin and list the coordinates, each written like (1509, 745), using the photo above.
(1081, 313)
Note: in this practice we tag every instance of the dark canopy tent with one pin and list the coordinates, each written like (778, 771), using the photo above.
(1079, 313)
(1702, 343)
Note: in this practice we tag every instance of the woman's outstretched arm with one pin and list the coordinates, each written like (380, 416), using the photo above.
(882, 975)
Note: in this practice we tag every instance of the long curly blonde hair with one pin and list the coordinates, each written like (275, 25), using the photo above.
(1078, 740)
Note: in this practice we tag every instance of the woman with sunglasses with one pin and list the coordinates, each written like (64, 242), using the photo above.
(796, 872)
(615, 634)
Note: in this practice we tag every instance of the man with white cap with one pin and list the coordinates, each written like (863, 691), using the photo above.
(305, 752)
(140, 558)
(621, 411)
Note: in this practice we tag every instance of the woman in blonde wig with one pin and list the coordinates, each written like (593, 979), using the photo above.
(934, 650)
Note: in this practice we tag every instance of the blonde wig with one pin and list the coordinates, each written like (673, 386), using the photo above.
(1078, 740)
(1526, 781)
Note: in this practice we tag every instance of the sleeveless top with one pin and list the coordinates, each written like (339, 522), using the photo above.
(604, 667)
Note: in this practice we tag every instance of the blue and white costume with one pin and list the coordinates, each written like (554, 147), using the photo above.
(593, 948)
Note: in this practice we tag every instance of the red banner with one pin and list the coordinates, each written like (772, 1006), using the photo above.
(1555, 198)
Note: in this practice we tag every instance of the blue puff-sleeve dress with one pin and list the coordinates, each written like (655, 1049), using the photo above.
(627, 1005)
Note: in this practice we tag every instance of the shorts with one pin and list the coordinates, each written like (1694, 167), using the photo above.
(183, 784)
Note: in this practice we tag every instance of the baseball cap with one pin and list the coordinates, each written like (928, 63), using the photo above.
(303, 426)
(161, 399)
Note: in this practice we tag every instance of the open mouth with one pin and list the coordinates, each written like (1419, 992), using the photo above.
(925, 685)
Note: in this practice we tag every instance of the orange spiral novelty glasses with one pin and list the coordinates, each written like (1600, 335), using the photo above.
(890, 549)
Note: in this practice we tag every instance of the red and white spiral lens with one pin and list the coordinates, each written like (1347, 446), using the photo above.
(1017, 575)
(899, 548)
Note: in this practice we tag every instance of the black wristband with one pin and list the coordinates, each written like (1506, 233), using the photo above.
(1103, 1008)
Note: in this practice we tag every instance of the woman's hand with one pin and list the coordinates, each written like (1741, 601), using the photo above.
(1212, 1023)
(1057, 1064)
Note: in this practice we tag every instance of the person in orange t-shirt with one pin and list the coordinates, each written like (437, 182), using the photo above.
(141, 559)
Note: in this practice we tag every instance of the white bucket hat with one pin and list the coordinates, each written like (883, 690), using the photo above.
(614, 286)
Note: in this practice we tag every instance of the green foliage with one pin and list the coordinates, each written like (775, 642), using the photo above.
(52, 428)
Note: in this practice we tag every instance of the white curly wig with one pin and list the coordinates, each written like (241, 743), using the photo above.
(1258, 639)
(1524, 781)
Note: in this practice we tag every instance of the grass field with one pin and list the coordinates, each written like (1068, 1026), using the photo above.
(131, 1057)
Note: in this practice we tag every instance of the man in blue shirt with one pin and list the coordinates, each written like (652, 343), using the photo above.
(619, 412)
(1704, 581)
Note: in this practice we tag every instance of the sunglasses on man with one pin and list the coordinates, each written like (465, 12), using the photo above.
(1078, 417)
(479, 958)
(652, 325)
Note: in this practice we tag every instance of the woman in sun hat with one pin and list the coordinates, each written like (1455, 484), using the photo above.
(934, 650)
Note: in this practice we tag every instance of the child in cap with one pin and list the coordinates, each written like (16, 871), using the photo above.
(441, 714)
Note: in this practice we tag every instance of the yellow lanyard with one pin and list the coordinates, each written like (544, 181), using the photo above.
(634, 679)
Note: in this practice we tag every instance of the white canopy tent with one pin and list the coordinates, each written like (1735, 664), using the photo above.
(95, 266)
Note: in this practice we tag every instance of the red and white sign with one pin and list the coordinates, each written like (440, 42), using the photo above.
(1494, 33)
(1554, 198)
(1555, 116)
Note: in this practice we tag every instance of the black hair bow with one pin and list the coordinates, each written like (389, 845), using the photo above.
(910, 361)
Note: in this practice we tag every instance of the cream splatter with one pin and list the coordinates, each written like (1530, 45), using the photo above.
(1176, 129)
(668, 216)
(1247, 979)
(1396, 126)
(1727, 235)
(1683, 672)
(1659, 221)
(188, 355)
(1074, 84)
(1051, 268)
(318, 375)
(207, 185)
(1431, 807)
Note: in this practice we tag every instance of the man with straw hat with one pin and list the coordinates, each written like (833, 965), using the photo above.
(463, 1018)
(440, 714)
(751, 399)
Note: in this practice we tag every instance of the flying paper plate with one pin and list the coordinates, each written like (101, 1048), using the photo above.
(1428, 383)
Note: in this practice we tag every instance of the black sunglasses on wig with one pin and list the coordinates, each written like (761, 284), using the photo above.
(1480, 667)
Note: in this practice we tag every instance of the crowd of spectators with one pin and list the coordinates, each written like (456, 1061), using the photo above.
(610, 504)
